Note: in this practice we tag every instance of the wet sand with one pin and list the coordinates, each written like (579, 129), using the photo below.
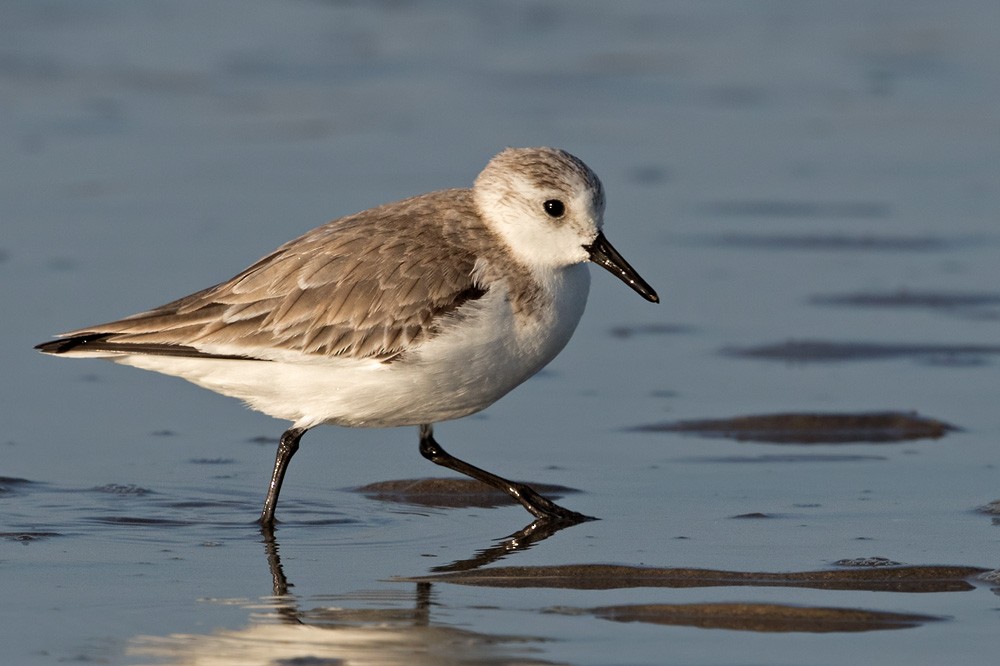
(813, 428)
(793, 458)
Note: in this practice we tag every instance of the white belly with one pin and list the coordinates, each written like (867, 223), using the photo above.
(472, 363)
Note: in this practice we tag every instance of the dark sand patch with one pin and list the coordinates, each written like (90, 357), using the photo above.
(205, 504)
(650, 329)
(450, 493)
(804, 209)
(10, 483)
(612, 576)
(904, 298)
(831, 242)
(813, 428)
(212, 461)
(122, 489)
(790, 458)
(867, 562)
(140, 522)
(762, 617)
(822, 351)
(27, 537)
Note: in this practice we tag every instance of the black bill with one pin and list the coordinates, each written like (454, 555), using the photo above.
(604, 254)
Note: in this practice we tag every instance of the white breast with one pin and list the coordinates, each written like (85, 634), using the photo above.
(477, 358)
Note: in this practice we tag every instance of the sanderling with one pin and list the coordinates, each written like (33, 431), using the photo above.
(410, 313)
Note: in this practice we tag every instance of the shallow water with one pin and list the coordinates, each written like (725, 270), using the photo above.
(813, 188)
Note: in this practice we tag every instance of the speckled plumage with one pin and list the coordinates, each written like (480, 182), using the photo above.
(369, 285)
(422, 310)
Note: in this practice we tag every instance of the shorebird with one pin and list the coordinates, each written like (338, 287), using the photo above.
(410, 313)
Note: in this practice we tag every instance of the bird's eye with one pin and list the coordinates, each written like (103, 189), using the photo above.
(554, 208)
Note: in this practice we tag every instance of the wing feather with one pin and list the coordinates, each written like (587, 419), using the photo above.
(369, 285)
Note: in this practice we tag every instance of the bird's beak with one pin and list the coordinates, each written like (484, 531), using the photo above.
(604, 254)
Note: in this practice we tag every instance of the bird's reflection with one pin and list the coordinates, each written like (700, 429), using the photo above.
(521, 540)
(525, 538)
(279, 583)
(332, 636)
(286, 604)
(290, 633)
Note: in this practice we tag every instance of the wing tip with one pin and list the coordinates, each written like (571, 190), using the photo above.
(100, 345)
(68, 344)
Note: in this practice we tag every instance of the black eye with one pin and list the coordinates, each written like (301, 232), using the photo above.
(554, 208)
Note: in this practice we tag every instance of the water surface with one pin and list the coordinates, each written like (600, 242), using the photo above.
(813, 189)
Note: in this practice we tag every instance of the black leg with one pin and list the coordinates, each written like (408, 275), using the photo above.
(529, 499)
(287, 447)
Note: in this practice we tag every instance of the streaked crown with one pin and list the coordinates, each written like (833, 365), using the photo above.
(545, 203)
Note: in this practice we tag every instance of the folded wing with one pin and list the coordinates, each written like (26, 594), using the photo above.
(370, 285)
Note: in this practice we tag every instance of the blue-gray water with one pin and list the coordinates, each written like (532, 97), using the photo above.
(760, 159)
